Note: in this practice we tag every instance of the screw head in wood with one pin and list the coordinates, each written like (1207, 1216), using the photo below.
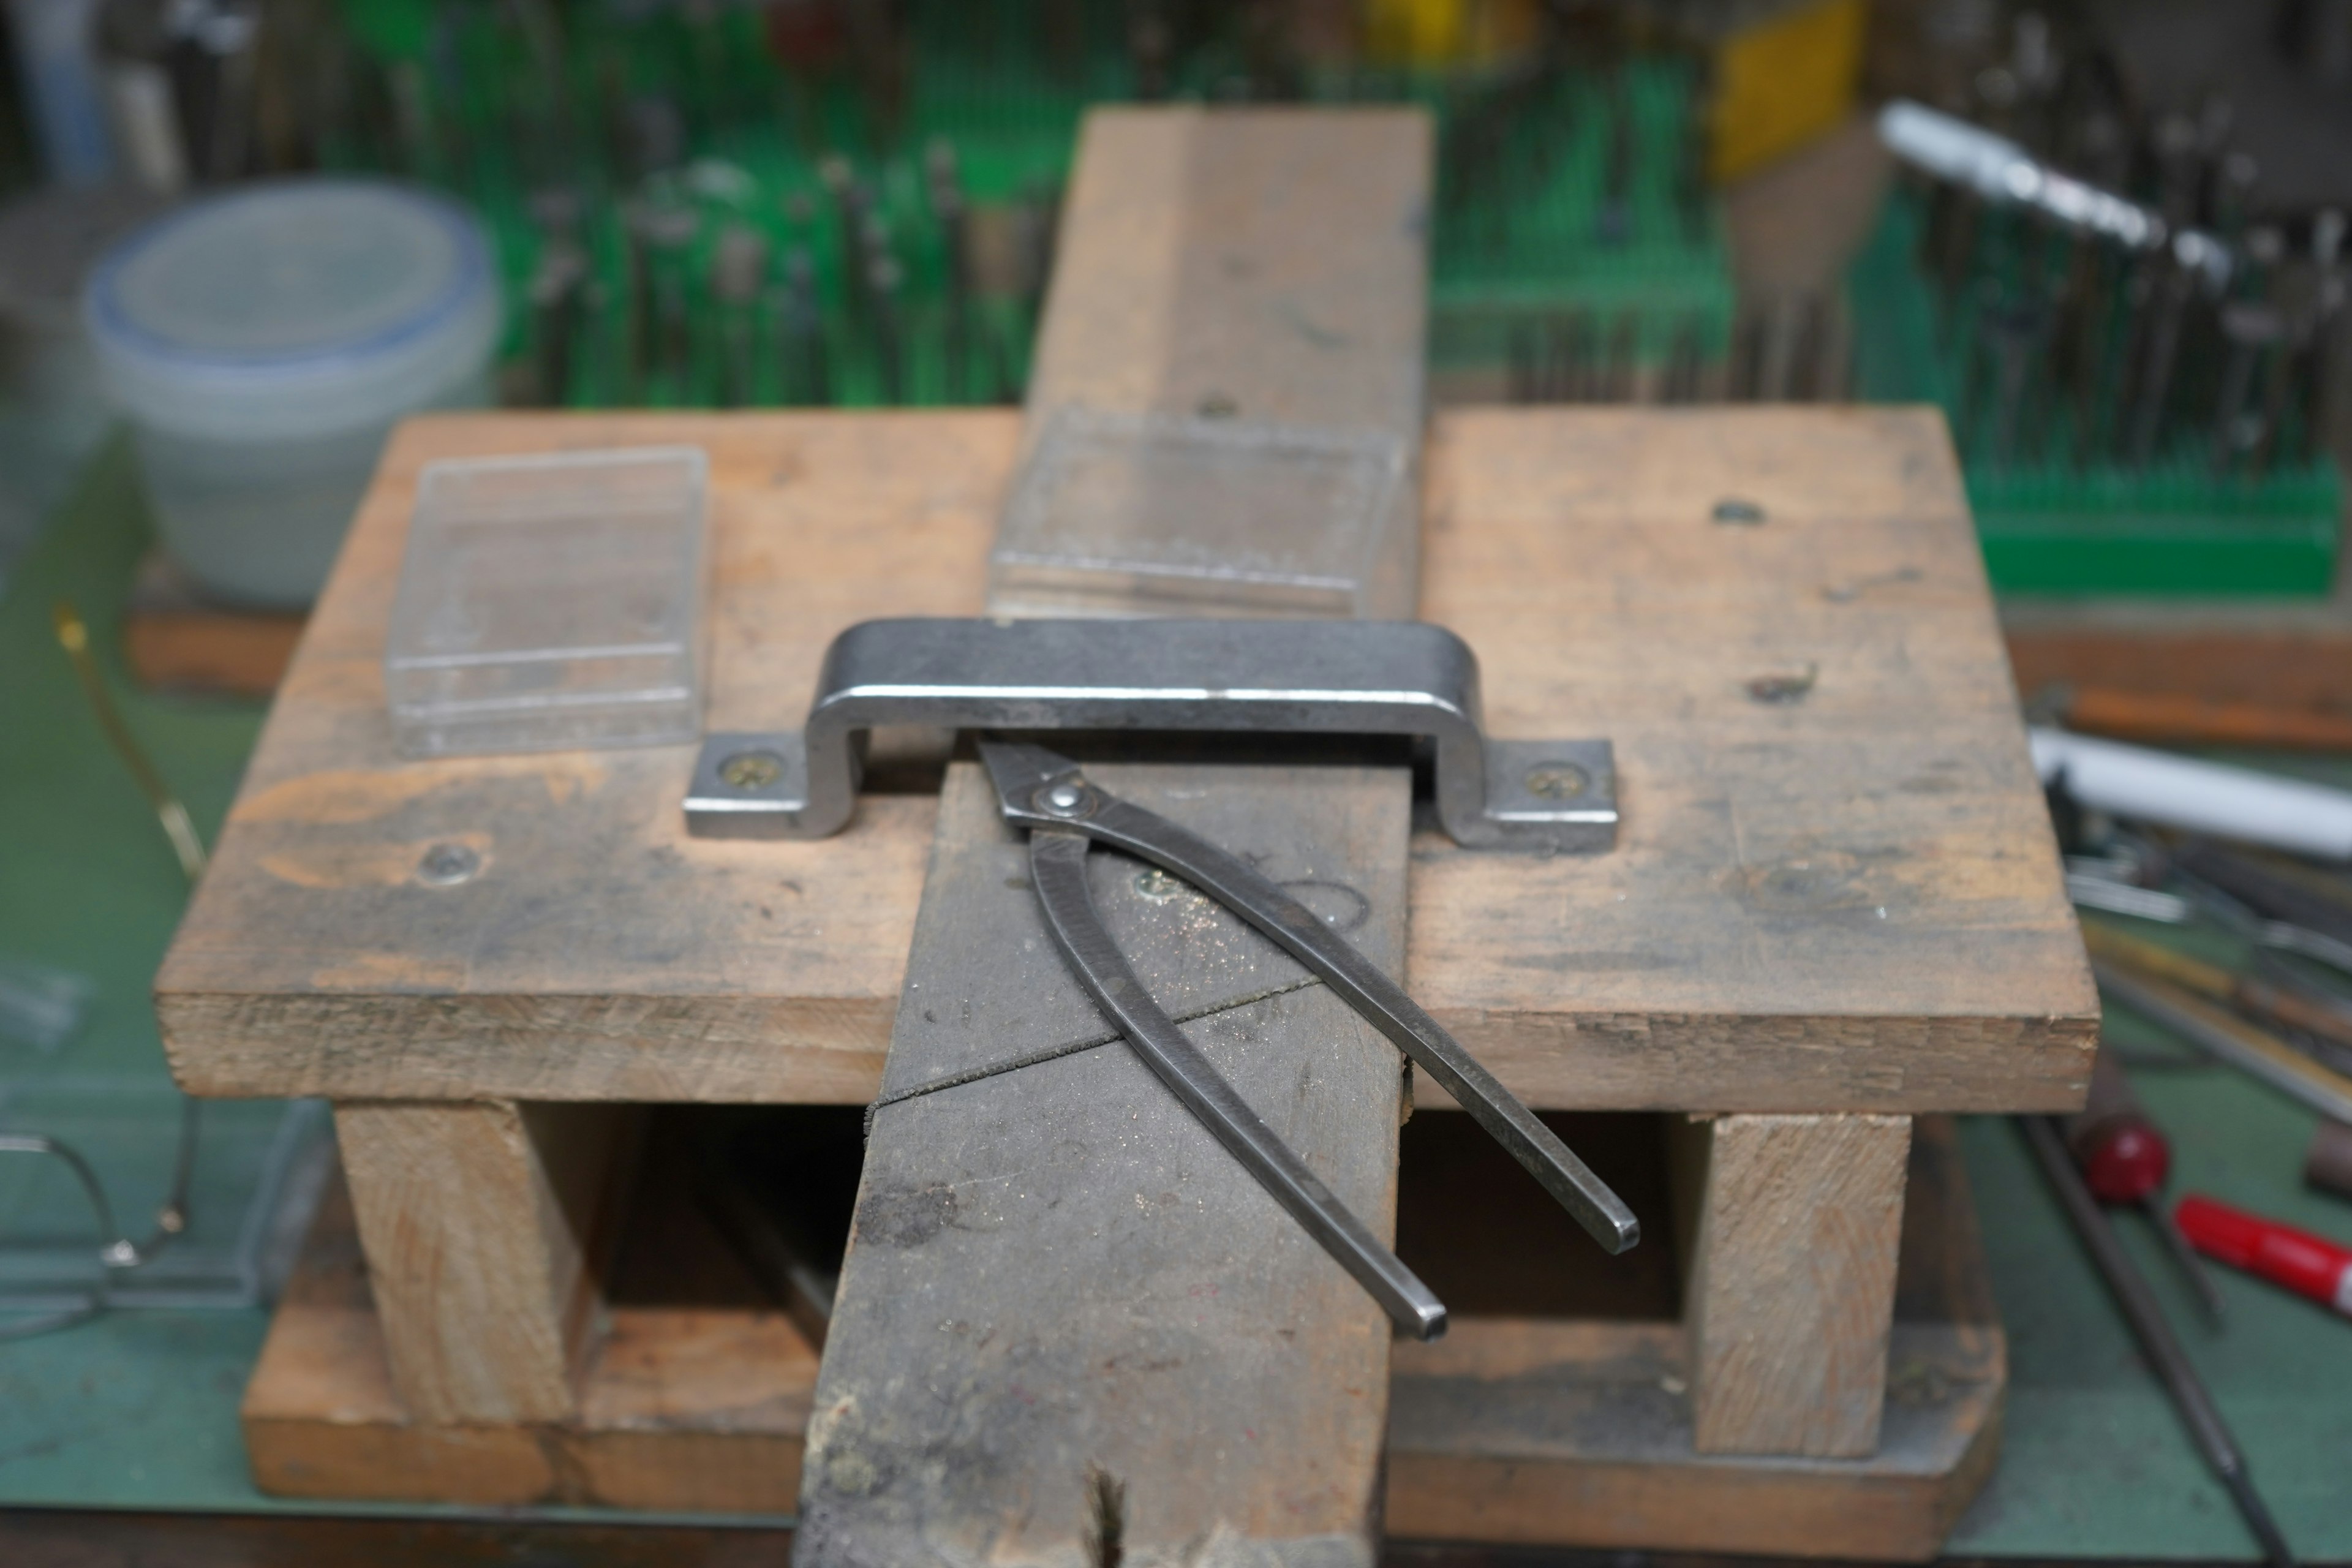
(446, 865)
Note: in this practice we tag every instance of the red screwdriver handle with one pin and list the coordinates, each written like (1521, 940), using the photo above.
(2123, 1157)
(2306, 1264)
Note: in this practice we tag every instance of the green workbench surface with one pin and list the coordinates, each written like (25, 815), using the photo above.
(137, 1410)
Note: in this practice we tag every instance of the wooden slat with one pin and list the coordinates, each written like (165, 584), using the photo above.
(1060, 1288)
(1057, 1271)
(1728, 955)
(485, 1225)
(1790, 1289)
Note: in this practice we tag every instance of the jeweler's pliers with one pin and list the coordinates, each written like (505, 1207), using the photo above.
(1048, 795)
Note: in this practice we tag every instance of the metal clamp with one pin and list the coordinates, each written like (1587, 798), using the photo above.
(1307, 677)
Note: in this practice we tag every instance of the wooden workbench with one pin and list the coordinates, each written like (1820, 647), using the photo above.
(1834, 889)
(1834, 893)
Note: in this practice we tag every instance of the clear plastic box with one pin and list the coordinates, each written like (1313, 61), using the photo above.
(1163, 514)
(548, 603)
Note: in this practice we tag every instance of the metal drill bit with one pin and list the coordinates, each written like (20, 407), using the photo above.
(1612, 224)
(2155, 389)
(669, 232)
(738, 266)
(1682, 362)
(1624, 344)
(557, 286)
(2015, 335)
(884, 277)
(2254, 332)
(803, 324)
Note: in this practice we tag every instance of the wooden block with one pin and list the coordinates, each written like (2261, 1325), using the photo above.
(485, 1226)
(1580, 1434)
(1729, 956)
(1790, 1290)
(680, 1410)
(1056, 1271)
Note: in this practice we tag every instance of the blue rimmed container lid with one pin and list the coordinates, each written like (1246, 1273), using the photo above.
(294, 308)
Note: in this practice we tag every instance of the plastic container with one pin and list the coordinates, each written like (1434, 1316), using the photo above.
(549, 603)
(263, 344)
(1118, 514)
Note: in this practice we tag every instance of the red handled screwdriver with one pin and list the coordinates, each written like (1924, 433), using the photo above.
(2125, 1160)
(2306, 1264)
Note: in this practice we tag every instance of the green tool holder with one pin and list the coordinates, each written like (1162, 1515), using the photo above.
(493, 104)
(2050, 525)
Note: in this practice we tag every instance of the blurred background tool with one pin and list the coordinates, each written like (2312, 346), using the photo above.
(2138, 1304)
(2159, 787)
(2306, 1264)
(2229, 1038)
(2168, 719)
(2281, 997)
(2124, 1159)
(2171, 433)
(2328, 1164)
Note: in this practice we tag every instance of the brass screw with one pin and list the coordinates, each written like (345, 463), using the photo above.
(1557, 780)
(751, 770)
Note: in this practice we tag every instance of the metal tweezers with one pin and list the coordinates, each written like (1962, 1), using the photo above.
(1048, 795)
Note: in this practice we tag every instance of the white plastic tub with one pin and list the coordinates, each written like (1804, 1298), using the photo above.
(263, 342)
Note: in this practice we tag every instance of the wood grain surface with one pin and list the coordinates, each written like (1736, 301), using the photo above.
(680, 1409)
(1071, 1326)
(1731, 954)
(486, 1225)
(1057, 1272)
(1790, 1287)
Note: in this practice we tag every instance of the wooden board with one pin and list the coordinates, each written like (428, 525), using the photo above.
(490, 1223)
(1791, 1282)
(1730, 954)
(1559, 1430)
(1070, 1325)
(1056, 1272)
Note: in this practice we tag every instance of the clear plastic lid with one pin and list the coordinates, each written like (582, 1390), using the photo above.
(1123, 514)
(548, 603)
(294, 308)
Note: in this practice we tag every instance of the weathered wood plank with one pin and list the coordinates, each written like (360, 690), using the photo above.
(1058, 1269)
(485, 1225)
(1071, 1327)
(1728, 955)
(1790, 1289)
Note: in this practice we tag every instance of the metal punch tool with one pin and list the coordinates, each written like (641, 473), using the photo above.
(1066, 816)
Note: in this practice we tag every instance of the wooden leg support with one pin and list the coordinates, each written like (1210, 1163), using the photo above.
(484, 1227)
(1791, 1284)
